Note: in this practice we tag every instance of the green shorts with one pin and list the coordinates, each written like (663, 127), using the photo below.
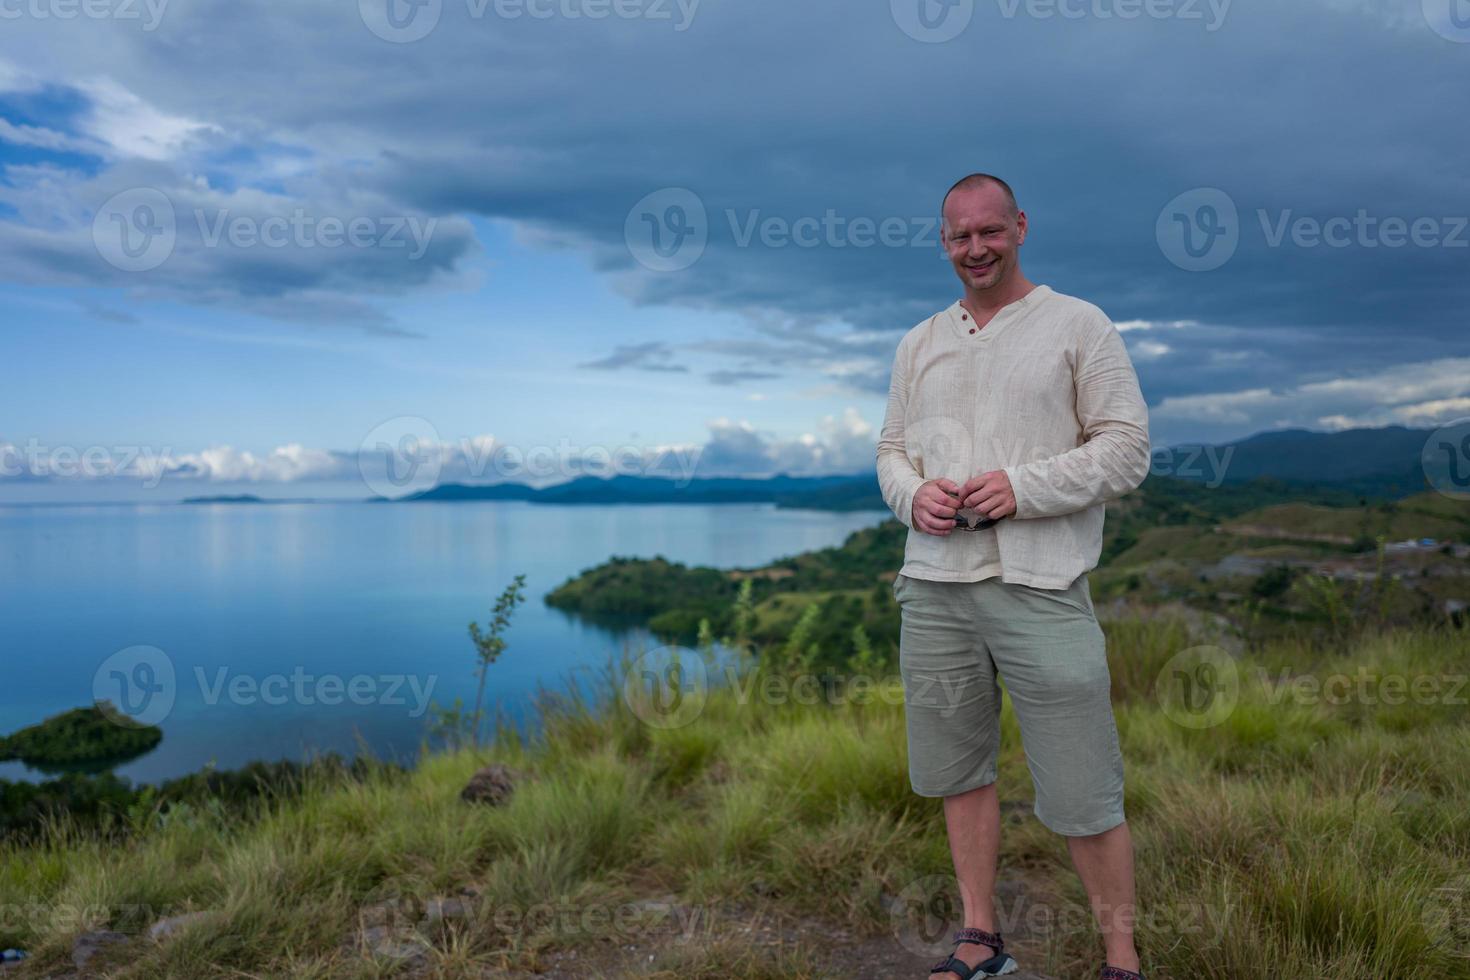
(957, 640)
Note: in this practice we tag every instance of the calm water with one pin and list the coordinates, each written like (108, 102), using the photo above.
(278, 602)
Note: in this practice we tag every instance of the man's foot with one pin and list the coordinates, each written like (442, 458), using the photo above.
(970, 954)
(978, 953)
(1110, 972)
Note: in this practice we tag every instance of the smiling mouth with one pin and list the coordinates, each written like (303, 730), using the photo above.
(978, 269)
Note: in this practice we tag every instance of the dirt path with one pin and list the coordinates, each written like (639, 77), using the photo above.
(746, 935)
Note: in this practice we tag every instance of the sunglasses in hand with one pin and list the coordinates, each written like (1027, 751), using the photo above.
(963, 519)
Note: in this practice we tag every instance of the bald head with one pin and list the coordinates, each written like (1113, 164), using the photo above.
(983, 180)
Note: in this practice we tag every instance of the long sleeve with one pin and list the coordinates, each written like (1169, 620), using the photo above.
(898, 481)
(1114, 457)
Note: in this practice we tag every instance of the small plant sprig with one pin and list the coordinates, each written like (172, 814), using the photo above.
(490, 644)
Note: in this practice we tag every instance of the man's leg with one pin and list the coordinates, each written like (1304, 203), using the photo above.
(1052, 657)
(952, 712)
(973, 822)
(1104, 862)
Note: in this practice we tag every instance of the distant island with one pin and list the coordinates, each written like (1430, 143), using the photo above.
(848, 492)
(82, 738)
(246, 498)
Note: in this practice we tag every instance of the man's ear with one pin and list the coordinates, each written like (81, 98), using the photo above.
(1021, 224)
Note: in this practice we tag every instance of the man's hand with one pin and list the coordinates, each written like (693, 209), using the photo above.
(934, 508)
(989, 495)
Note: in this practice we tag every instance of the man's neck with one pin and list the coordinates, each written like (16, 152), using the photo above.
(987, 302)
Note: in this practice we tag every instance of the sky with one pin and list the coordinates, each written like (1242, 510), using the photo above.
(261, 247)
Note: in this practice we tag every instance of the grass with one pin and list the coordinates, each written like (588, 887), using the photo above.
(1416, 517)
(1305, 835)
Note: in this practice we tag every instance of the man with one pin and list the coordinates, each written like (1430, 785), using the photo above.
(1016, 405)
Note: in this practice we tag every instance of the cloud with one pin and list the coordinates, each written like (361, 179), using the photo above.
(836, 444)
(649, 356)
(739, 377)
(560, 126)
(130, 127)
(1419, 395)
(319, 254)
(39, 136)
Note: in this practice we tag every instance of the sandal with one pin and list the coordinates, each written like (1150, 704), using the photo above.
(999, 964)
(1118, 973)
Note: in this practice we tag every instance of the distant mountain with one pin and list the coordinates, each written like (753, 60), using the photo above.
(1354, 462)
(1374, 462)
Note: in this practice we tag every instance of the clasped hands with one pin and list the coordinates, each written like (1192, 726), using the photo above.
(937, 502)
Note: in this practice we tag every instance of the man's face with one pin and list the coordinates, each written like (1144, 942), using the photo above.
(982, 237)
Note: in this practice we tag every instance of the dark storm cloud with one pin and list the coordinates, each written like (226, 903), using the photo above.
(818, 138)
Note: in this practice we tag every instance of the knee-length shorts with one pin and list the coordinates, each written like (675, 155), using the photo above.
(958, 641)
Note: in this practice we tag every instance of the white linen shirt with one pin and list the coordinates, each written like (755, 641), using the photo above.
(1046, 392)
